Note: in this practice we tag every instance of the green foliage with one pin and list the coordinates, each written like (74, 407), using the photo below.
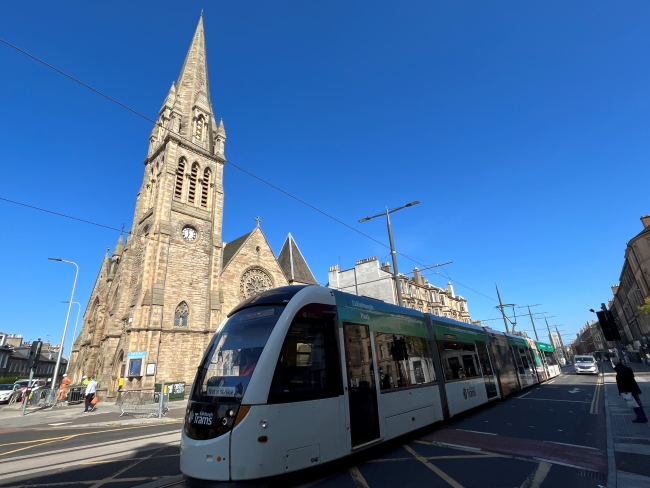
(9, 379)
(645, 308)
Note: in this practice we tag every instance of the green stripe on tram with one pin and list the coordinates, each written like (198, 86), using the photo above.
(544, 347)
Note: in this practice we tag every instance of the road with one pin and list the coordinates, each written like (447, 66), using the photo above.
(551, 435)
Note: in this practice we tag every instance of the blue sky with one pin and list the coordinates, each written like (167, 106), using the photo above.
(522, 127)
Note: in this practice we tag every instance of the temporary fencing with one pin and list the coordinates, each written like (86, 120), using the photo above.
(144, 403)
(75, 395)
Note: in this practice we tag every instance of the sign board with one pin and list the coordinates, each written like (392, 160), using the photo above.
(137, 355)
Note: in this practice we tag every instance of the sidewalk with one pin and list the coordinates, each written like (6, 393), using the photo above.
(107, 414)
(628, 443)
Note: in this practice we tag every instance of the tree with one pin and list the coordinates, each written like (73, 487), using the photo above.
(645, 308)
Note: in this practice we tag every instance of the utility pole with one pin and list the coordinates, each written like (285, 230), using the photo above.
(566, 359)
(500, 307)
(533, 322)
(550, 338)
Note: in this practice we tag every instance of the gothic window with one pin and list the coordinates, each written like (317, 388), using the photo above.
(181, 315)
(191, 195)
(204, 188)
(180, 174)
(198, 133)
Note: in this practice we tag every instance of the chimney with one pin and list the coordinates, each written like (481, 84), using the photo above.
(385, 267)
(615, 289)
(450, 287)
(417, 277)
(646, 221)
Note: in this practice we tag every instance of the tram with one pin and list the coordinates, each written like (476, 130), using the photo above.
(301, 375)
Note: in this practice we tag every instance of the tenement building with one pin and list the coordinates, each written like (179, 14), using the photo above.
(162, 293)
(369, 279)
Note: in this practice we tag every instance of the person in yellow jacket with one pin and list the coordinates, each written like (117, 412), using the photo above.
(85, 381)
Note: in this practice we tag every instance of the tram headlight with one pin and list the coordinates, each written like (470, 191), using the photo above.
(231, 413)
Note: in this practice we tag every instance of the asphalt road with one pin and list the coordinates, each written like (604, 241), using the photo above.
(551, 435)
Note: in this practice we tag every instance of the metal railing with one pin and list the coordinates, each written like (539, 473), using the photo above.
(144, 403)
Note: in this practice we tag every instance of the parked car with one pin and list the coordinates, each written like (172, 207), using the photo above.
(6, 391)
(585, 364)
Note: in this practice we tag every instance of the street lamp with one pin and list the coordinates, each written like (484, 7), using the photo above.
(393, 253)
(67, 318)
(76, 322)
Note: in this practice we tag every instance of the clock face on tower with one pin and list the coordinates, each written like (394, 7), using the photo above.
(188, 233)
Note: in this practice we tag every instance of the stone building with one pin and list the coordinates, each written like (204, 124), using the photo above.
(368, 278)
(162, 293)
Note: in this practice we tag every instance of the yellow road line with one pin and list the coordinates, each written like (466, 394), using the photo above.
(42, 442)
(538, 476)
(594, 401)
(358, 478)
(435, 469)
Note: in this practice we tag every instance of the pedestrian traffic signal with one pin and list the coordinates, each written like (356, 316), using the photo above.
(608, 326)
(34, 354)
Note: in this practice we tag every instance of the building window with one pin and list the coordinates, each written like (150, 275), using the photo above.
(191, 195)
(181, 315)
(200, 122)
(204, 188)
(180, 175)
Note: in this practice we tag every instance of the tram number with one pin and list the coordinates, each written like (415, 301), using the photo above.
(221, 391)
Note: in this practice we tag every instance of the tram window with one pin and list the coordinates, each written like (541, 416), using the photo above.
(469, 366)
(409, 363)
(524, 359)
(309, 363)
(550, 360)
(456, 370)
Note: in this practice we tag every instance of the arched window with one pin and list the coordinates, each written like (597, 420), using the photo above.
(180, 174)
(198, 133)
(191, 195)
(181, 315)
(204, 188)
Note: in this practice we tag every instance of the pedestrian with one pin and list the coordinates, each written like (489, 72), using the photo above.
(91, 391)
(62, 388)
(85, 380)
(627, 384)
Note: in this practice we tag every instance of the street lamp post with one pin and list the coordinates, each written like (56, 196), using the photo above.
(76, 321)
(67, 318)
(398, 285)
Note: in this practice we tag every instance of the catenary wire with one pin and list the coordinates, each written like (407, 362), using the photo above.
(155, 122)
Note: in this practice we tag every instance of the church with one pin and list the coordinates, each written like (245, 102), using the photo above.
(162, 293)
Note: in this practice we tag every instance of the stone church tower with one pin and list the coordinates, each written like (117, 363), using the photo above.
(160, 296)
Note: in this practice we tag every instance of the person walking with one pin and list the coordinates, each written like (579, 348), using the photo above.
(91, 391)
(627, 384)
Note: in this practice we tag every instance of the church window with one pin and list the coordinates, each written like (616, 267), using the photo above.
(198, 133)
(204, 188)
(180, 174)
(181, 315)
(191, 195)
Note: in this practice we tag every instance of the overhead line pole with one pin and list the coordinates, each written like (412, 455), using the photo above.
(500, 307)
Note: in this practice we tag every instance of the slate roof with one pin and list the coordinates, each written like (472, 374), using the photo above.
(231, 248)
(293, 263)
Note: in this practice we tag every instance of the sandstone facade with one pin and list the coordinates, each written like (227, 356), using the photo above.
(160, 296)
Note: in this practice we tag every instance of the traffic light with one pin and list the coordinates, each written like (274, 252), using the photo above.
(608, 326)
(34, 354)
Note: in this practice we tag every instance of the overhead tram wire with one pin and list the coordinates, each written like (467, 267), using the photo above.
(155, 122)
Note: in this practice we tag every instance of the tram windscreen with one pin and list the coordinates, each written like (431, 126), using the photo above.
(232, 355)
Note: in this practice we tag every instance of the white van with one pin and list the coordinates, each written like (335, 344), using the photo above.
(585, 364)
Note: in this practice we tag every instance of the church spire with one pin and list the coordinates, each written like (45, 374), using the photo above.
(193, 88)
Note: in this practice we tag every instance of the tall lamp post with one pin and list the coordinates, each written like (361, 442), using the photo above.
(76, 322)
(398, 285)
(67, 318)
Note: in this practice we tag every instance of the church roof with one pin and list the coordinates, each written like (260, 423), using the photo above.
(293, 264)
(231, 248)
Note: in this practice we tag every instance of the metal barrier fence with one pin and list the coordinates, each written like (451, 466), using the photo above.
(142, 403)
(75, 395)
(43, 397)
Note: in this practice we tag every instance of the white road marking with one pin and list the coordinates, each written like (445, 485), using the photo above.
(477, 432)
(538, 476)
(525, 394)
(358, 478)
(434, 468)
(564, 464)
(448, 444)
(574, 445)
(552, 400)
(575, 390)
(59, 423)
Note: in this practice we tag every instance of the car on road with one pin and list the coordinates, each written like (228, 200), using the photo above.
(585, 364)
(6, 391)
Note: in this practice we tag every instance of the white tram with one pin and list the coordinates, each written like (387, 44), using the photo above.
(302, 375)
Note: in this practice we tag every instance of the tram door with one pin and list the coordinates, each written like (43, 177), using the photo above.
(362, 388)
(488, 372)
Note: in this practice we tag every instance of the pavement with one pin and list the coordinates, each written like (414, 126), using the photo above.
(628, 443)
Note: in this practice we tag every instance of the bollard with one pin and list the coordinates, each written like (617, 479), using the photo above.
(161, 397)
